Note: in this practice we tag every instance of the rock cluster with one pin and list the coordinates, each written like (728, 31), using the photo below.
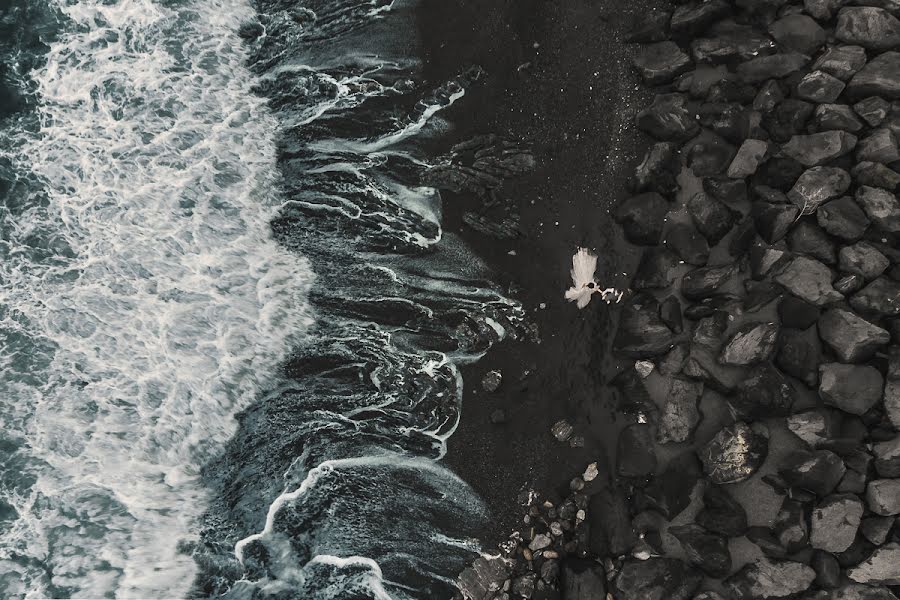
(779, 281)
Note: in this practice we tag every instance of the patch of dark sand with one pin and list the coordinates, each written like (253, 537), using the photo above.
(559, 78)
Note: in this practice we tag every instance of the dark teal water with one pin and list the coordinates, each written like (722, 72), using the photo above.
(212, 209)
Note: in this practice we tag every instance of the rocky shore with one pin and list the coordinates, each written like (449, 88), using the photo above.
(752, 372)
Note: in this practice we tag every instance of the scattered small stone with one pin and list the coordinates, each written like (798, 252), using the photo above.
(773, 221)
(591, 472)
(835, 521)
(881, 568)
(735, 453)
(491, 381)
(562, 430)
(852, 388)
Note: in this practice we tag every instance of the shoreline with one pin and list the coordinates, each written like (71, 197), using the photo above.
(581, 154)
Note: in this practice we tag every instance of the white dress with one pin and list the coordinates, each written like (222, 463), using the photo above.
(584, 263)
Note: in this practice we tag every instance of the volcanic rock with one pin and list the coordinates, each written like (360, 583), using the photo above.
(659, 170)
(705, 281)
(880, 298)
(738, 43)
(810, 426)
(680, 414)
(656, 579)
(775, 66)
(796, 313)
(843, 218)
(819, 87)
(887, 457)
(876, 529)
(819, 148)
(642, 218)
(874, 174)
(810, 239)
(582, 579)
(836, 117)
(766, 579)
(668, 118)
(873, 110)
(841, 61)
(661, 63)
(864, 259)
(879, 146)
(817, 186)
(687, 243)
(810, 280)
(721, 513)
(655, 269)
(881, 207)
(835, 522)
(705, 550)
(827, 568)
(750, 155)
(851, 337)
(669, 493)
(799, 355)
(881, 568)
(712, 218)
(818, 471)
(880, 77)
(883, 496)
(734, 454)
(690, 19)
(635, 456)
(852, 388)
(869, 27)
(751, 344)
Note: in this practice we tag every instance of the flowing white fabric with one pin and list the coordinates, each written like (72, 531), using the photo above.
(584, 263)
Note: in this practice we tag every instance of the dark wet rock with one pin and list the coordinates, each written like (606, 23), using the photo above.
(765, 539)
(611, 532)
(651, 26)
(705, 550)
(711, 218)
(892, 388)
(887, 457)
(880, 298)
(766, 579)
(810, 280)
(642, 218)
(655, 269)
(852, 388)
(843, 218)
(726, 89)
(635, 456)
(721, 513)
(819, 87)
(883, 496)
(668, 118)
(659, 170)
(582, 579)
(853, 591)
(768, 97)
(818, 471)
(680, 413)
(774, 220)
(705, 281)
(869, 27)
(709, 596)
(760, 294)
(670, 313)
(688, 244)
(775, 66)
(827, 568)
(879, 146)
(835, 521)
(819, 148)
(797, 313)
(752, 343)
(799, 355)
(763, 258)
(799, 33)
(491, 381)
(743, 238)
(506, 227)
(709, 154)
(656, 579)
(734, 454)
(881, 568)
(852, 338)
(483, 578)
(737, 43)
(634, 397)
(728, 191)
(873, 110)
(817, 186)
(864, 259)
(695, 17)
(750, 155)
(874, 174)
(766, 193)
(836, 117)
(763, 394)
(788, 119)
(841, 61)
(661, 63)
(848, 284)
(808, 238)
(880, 77)
(669, 493)
(790, 526)
(876, 529)
(523, 585)
(856, 553)
(732, 121)
(641, 333)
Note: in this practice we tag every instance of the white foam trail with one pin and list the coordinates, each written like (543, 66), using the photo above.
(173, 307)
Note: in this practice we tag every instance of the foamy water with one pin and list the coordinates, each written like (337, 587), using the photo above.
(143, 299)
